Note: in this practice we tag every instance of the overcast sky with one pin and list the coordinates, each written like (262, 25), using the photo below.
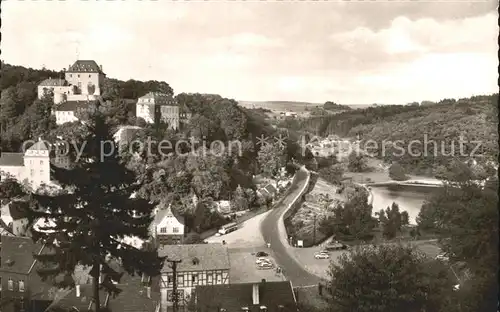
(350, 53)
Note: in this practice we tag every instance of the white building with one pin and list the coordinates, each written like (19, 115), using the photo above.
(168, 227)
(82, 85)
(202, 264)
(82, 81)
(156, 106)
(32, 167)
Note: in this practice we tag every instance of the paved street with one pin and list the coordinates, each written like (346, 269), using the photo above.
(282, 253)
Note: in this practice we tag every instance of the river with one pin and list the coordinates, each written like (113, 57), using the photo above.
(409, 198)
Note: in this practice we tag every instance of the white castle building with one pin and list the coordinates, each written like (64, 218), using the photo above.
(83, 83)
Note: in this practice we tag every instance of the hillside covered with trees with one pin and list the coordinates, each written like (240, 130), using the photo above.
(475, 119)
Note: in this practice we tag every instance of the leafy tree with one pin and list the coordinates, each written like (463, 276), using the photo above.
(356, 162)
(193, 238)
(332, 174)
(271, 159)
(392, 220)
(10, 188)
(396, 172)
(353, 221)
(239, 201)
(466, 215)
(389, 279)
(92, 213)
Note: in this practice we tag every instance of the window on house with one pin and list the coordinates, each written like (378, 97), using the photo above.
(170, 279)
(32, 172)
(41, 172)
(218, 277)
(175, 230)
(71, 75)
(194, 278)
(163, 230)
(10, 284)
(78, 75)
(209, 278)
(90, 76)
(21, 286)
(180, 280)
(41, 162)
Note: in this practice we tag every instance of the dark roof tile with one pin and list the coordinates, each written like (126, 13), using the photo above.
(85, 66)
(132, 298)
(53, 83)
(11, 159)
(73, 106)
(233, 297)
(17, 254)
(210, 257)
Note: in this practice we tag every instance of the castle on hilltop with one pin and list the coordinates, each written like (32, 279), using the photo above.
(82, 81)
(82, 84)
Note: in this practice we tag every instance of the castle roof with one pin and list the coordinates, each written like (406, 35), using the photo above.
(38, 146)
(157, 98)
(72, 106)
(85, 66)
(11, 159)
(53, 82)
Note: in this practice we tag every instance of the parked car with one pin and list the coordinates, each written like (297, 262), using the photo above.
(320, 255)
(262, 260)
(265, 266)
(442, 257)
(324, 251)
(261, 254)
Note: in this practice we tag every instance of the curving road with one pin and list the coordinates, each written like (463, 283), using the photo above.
(281, 250)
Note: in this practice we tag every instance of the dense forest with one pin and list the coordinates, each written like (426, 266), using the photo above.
(475, 119)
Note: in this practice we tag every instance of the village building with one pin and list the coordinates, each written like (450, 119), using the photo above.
(14, 217)
(33, 166)
(21, 287)
(202, 264)
(138, 294)
(168, 227)
(252, 297)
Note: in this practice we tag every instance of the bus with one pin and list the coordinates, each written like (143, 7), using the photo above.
(228, 228)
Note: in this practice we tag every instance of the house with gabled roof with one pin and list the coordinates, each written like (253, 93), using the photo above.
(252, 297)
(136, 295)
(168, 226)
(202, 264)
(20, 285)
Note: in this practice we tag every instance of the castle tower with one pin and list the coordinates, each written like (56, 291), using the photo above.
(86, 77)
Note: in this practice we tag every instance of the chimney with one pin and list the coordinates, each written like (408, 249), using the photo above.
(100, 67)
(148, 291)
(77, 291)
(255, 294)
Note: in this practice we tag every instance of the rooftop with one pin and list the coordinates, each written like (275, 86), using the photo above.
(85, 66)
(197, 257)
(167, 212)
(233, 297)
(53, 83)
(11, 159)
(72, 106)
(132, 298)
(16, 254)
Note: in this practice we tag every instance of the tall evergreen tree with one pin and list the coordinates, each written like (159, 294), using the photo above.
(91, 214)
